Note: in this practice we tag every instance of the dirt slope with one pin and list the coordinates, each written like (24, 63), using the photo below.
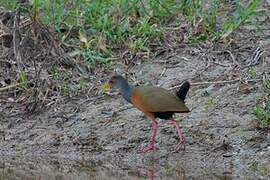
(222, 138)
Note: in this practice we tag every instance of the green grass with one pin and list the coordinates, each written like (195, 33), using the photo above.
(65, 85)
(262, 113)
(23, 80)
(11, 5)
(241, 15)
(266, 85)
(94, 58)
(253, 73)
(111, 27)
(262, 110)
(209, 104)
(254, 166)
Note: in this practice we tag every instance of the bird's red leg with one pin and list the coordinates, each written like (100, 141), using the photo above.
(151, 145)
(181, 144)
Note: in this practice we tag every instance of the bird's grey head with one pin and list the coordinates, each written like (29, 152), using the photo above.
(117, 82)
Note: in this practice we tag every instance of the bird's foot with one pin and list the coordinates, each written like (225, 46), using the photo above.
(182, 139)
(181, 146)
(147, 149)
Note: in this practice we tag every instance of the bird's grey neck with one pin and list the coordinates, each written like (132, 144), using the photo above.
(126, 91)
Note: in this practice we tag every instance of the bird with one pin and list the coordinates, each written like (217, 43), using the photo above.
(154, 102)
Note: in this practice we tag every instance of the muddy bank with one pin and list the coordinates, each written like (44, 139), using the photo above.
(223, 141)
(95, 135)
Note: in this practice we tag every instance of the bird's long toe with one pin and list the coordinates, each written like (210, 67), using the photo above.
(147, 149)
(181, 146)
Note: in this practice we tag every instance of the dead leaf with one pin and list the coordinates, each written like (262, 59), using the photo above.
(101, 44)
(83, 37)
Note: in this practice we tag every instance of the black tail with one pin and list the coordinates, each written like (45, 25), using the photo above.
(182, 92)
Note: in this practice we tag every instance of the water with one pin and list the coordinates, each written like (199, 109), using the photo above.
(53, 169)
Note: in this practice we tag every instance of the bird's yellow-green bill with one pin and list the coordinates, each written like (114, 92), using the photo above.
(105, 87)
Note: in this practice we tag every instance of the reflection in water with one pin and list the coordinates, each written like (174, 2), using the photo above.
(52, 170)
(154, 170)
(151, 168)
(151, 172)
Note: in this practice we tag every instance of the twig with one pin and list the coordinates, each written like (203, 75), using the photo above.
(67, 34)
(9, 87)
(232, 56)
(16, 41)
(163, 72)
(93, 99)
(124, 109)
(223, 65)
(4, 61)
(256, 57)
(216, 82)
(25, 23)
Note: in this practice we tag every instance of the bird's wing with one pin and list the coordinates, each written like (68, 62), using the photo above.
(155, 99)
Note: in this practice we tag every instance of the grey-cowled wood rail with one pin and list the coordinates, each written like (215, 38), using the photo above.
(155, 102)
